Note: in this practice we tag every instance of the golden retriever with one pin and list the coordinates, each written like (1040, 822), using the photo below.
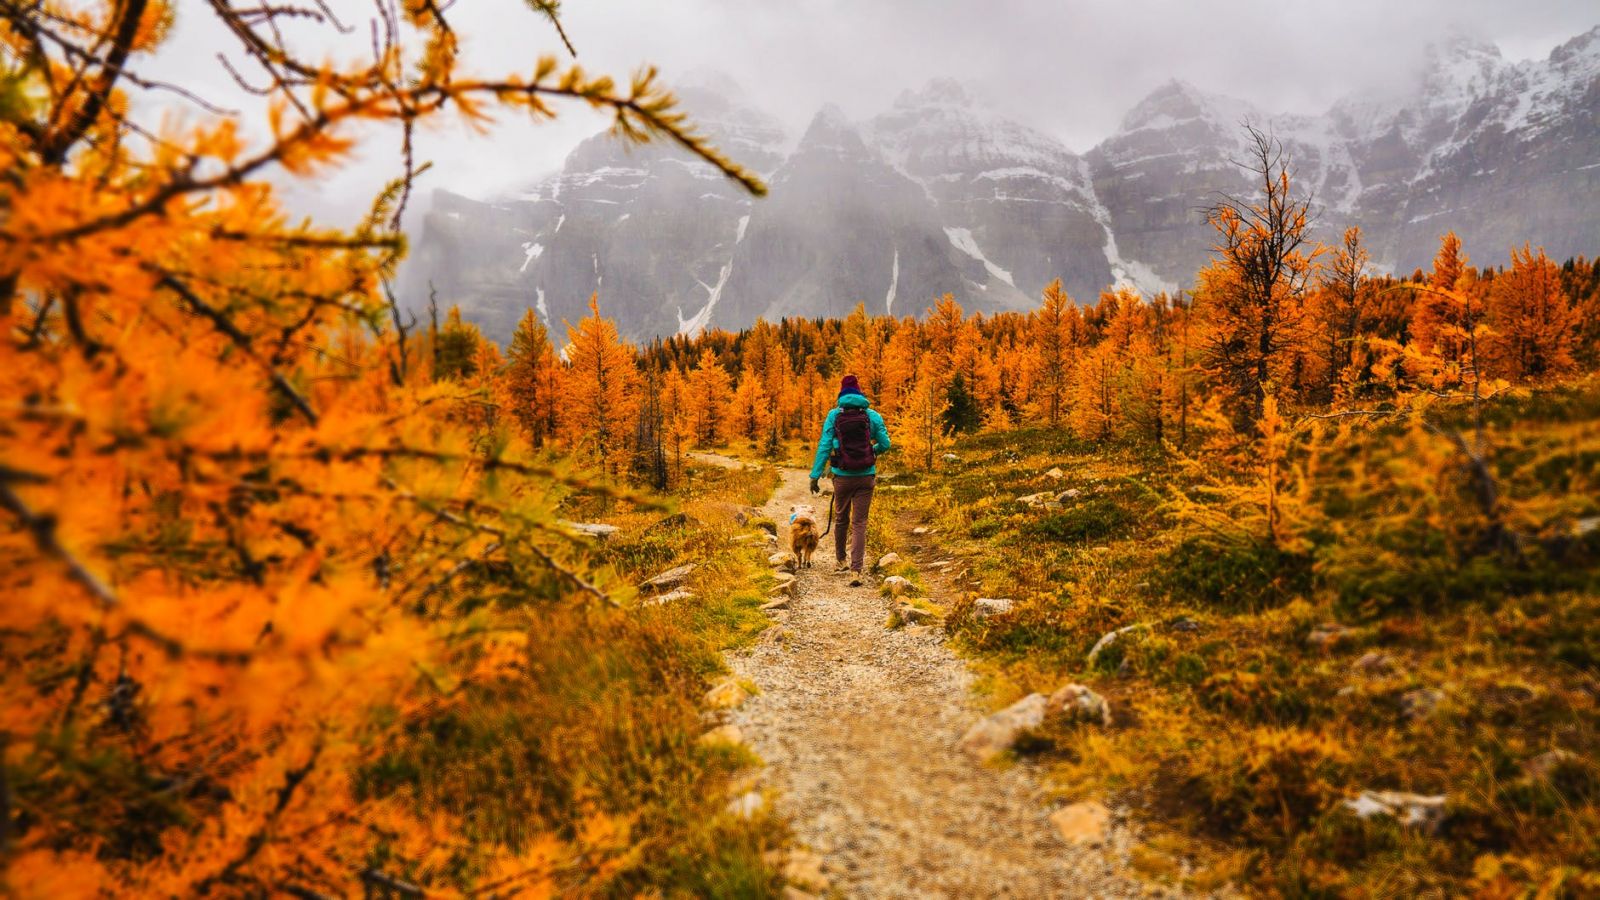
(803, 534)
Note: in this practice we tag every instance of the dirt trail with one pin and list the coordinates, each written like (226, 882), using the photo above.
(858, 725)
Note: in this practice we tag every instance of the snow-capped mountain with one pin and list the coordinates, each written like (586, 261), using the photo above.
(937, 195)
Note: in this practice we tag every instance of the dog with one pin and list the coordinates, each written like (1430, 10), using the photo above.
(803, 534)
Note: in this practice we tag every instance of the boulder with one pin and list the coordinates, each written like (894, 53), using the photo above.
(914, 615)
(997, 733)
(984, 607)
(721, 736)
(783, 560)
(950, 457)
(1076, 703)
(1374, 664)
(1055, 474)
(590, 529)
(746, 805)
(1420, 703)
(1107, 640)
(671, 578)
(1068, 494)
(1036, 499)
(1083, 824)
(886, 560)
(726, 695)
(784, 589)
(1542, 766)
(771, 538)
(769, 526)
(896, 585)
(1183, 624)
(1418, 811)
(669, 597)
(777, 603)
(1329, 633)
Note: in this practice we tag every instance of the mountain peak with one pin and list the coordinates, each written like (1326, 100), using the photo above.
(937, 92)
(831, 129)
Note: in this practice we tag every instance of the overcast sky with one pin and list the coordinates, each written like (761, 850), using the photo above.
(1069, 67)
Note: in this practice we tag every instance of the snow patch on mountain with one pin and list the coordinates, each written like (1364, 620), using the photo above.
(894, 284)
(961, 239)
(697, 323)
(531, 252)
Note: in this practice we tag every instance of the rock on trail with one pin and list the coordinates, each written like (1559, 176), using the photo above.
(859, 725)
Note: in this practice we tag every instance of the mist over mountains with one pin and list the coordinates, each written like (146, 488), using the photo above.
(937, 194)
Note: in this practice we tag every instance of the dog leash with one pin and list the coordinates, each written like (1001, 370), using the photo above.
(829, 527)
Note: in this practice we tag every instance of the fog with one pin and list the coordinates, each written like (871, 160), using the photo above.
(1069, 68)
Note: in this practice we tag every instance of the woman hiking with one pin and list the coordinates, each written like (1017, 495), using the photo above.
(852, 437)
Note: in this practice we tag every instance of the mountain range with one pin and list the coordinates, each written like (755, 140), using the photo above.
(939, 195)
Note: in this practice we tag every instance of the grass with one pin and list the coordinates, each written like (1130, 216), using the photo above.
(594, 741)
(1237, 737)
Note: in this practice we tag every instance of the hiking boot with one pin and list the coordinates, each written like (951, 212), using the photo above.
(857, 579)
(841, 567)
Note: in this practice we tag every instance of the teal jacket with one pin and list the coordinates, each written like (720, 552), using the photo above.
(880, 437)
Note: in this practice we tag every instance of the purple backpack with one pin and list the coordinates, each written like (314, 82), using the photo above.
(852, 433)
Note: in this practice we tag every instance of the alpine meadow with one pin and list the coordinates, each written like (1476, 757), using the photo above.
(439, 553)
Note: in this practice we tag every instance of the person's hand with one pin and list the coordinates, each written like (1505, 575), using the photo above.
(815, 488)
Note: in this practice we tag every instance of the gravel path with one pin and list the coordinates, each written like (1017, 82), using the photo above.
(858, 725)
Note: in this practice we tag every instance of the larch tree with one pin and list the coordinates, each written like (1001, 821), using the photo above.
(1532, 320)
(1253, 290)
(233, 512)
(600, 389)
(532, 380)
(1056, 329)
(709, 400)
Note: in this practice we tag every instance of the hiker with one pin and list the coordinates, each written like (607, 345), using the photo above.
(852, 437)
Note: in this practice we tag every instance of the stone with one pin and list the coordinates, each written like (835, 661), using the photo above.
(950, 457)
(1328, 634)
(1183, 624)
(1586, 526)
(996, 734)
(775, 635)
(1068, 494)
(721, 736)
(804, 869)
(1542, 766)
(671, 578)
(1036, 500)
(726, 695)
(783, 589)
(783, 560)
(1420, 703)
(1083, 824)
(590, 529)
(984, 607)
(1107, 640)
(783, 578)
(1418, 811)
(747, 805)
(896, 585)
(769, 526)
(776, 604)
(914, 615)
(771, 538)
(919, 531)
(669, 597)
(1055, 474)
(744, 538)
(887, 560)
(1374, 663)
(1076, 703)
(1053, 505)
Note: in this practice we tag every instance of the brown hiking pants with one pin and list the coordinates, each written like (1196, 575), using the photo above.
(852, 499)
